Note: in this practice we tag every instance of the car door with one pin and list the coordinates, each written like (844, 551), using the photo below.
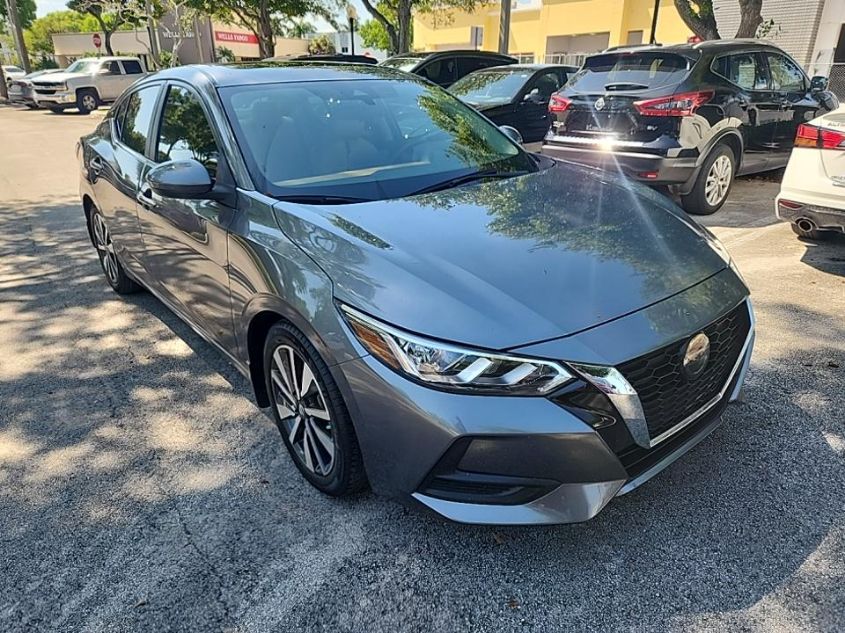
(791, 86)
(115, 167)
(533, 119)
(752, 102)
(441, 70)
(110, 81)
(186, 240)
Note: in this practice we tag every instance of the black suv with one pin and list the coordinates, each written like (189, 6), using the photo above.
(692, 116)
(446, 67)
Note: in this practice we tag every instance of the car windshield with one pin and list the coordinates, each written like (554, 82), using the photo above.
(490, 86)
(629, 71)
(12, 69)
(402, 63)
(83, 66)
(363, 139)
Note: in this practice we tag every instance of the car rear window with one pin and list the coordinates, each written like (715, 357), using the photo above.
(630, 71)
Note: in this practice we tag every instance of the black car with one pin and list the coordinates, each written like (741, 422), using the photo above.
(339, 57)
(446, 67)
(692, 115)
(517, 95)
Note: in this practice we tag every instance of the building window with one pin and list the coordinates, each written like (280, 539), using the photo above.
(634, 38)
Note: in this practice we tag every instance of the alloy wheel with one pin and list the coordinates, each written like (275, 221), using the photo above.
(104, 244)
(302, 409)
(89, 102)
(718, 180)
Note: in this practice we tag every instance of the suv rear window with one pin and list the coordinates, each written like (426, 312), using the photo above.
(630, 71)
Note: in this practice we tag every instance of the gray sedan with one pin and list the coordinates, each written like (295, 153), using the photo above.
(425, 308)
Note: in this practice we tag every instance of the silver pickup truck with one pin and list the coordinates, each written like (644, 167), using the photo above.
(87, 83)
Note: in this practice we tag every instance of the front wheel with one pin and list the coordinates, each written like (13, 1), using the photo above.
(311, 414)
(87, 101)
(713, 184)
(113, 269)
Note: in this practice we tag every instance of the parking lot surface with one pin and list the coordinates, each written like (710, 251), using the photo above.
(142, 490)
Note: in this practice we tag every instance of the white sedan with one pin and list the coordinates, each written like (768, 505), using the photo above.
(812, 194)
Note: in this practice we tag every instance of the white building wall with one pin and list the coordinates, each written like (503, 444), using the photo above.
(832, 19)
(796, 23)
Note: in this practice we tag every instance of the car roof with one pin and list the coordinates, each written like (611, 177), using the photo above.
(108, 58)
(268, 72)
(451, 53)
(530, 67)
(707, 46)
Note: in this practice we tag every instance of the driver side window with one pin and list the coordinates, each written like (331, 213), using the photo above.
(546, 84)
(184, 132)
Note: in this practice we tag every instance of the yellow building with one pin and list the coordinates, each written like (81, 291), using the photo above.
(554, 31)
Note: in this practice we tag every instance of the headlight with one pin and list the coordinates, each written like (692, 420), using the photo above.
(455, 368)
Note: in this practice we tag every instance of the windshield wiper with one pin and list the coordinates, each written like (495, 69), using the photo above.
(321, 199)
(630, 85)
(467, 178)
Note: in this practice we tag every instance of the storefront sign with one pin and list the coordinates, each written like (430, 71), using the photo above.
(239, 38)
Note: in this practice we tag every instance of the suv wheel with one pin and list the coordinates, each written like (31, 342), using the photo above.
(713, 184)
(310, 413)
(87, 101)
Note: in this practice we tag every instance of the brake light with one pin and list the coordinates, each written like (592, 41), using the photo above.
(819, 138)
(683, 104)
(558, 103)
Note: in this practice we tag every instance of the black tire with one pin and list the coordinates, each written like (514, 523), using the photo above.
(57, 110)
(87, 100)
(116, 276)
(812, 234)
(32, 106)
(345, 475)
(696, 201)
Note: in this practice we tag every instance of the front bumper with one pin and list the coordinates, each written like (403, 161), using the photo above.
(509, 460)
(57, 98)
(655, 169)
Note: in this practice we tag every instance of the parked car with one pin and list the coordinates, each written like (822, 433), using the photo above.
(811, 195)
(12, 72)
(516, 95)
(445, 67)
(424, 306)
(692, 116)
(21, 90)
(87, 83)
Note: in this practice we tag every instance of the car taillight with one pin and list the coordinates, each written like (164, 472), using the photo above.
(558, 103)
(683, 104)
(819, 138)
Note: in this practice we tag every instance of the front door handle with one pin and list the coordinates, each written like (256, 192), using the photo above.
(145, 197)
(95, 166)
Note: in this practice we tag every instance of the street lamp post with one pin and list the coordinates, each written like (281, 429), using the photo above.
(653, 39)
(352, 14)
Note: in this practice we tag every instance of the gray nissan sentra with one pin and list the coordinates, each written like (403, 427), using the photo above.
(426, 308)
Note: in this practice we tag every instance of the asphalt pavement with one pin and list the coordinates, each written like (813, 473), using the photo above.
(142, 490)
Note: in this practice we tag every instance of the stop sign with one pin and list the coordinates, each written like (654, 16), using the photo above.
(97, 40)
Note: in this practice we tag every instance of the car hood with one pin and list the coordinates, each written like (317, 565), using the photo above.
(503, 263)
(54, 78)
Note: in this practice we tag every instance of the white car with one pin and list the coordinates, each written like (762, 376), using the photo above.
(812, 194)
(12, 72)
(87, 83)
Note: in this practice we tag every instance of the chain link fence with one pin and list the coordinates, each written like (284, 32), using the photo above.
(836, 77)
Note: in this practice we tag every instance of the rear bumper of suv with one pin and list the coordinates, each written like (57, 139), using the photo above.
(645, 167)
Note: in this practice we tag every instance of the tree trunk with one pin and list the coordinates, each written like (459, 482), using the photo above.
(392, 34)
(750, 18)
(405, 21)
(106, 34)
(700, 19)
(266, 38)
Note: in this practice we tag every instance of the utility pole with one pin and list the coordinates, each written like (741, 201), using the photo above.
(505, 26)
(653, 38)
(14, 20)
(4, 92)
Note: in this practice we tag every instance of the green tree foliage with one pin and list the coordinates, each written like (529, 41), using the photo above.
(321, 45)
(26, 12)
(38, 35)
(266, 18)
(112, 15)
(374, 35)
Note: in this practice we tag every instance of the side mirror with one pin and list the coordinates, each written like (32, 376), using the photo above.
(186, 179)
(818, 83)
(512, 133)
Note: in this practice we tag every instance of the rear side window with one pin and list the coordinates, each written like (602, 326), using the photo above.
(112, 68)
(630, 71)
(132, 67)
(741, 69)
(786, 76)
(466, 65)
(440, 71)
(137, 117)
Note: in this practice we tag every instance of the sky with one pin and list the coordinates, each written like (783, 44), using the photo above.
(46, 6)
